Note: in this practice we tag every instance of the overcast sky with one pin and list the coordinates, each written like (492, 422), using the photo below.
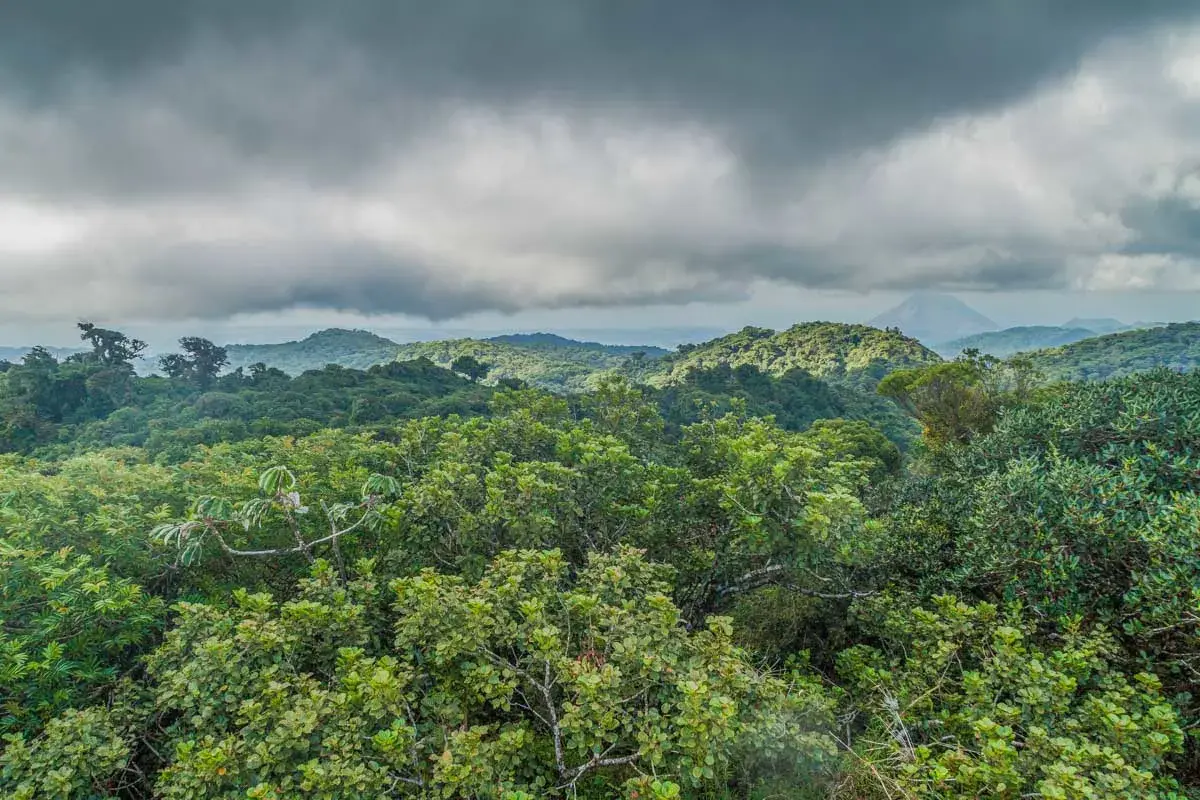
(593, 163)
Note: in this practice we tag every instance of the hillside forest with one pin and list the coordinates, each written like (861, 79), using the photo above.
(824, 563)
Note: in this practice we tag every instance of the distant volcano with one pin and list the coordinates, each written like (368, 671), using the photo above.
(934, 318)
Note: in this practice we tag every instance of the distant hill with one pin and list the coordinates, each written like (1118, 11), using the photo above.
(145, 365)
(1098, 324)
(552, 341)
(853, 354)
(16, 354)
(1009, 341)
(346, 348)
(1175, 346)
(933, 317)
(668, 337)
(540, 359)
(1103, 325)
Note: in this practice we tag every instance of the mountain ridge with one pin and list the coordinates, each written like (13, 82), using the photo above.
(932, 317)
(355, 348)
(1018, 339)
(542, 359)
(1174, 346)
(842, 351)
(540, 339)
(17, 353)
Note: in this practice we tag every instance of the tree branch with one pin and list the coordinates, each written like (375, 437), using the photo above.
(546, 690)
(598, 760)
(302, 546)
(758, 578)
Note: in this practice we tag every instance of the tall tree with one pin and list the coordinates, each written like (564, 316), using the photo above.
(111, 348)
(956, 400)
(200, 362)
(471, 367)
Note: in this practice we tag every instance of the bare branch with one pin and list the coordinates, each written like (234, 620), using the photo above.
(302, 547)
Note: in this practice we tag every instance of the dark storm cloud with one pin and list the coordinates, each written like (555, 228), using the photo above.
(805, 77)
(209, 157)
(1168, 225)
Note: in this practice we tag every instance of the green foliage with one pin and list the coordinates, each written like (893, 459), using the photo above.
(471, 367)
(51, 407)
(99, 505)
(1084, 502)
(41, 394)
(959, 399)
(743, 495)
(110, 348)
(795, 400)
(1105, 324)
(529, 681)
(625, 411)
(1078, 499)
(553, 341)
(47, 401)
(1175, 347)
(964, 703)
(200, 362)
(547, 362)
(604, 672)
(860, 440)
(82, 755)
(13, 355)
(279, 510)
(851, 354)
(68, 627)
(398, 582)
(543, 360)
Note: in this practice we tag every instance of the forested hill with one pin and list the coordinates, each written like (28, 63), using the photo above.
(854, 354)
(1010, 341)
(1175, 346)
(551, 341)
(346, 348)
(15, 354)
(1108, 324)
(542, 360)
(50, 407)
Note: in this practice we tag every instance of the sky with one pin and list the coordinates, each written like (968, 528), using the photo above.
(245, 170)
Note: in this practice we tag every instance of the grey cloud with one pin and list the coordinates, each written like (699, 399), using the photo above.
(220, 157)
(214, 282)
(794, 78)
(1167, 225)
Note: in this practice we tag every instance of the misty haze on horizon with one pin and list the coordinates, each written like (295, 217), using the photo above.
(633, 173)
(937, 320)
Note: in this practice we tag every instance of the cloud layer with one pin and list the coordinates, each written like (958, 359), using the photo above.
(203, 159)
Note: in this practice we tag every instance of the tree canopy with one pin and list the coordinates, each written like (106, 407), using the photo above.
(736, 585)
(201, 361)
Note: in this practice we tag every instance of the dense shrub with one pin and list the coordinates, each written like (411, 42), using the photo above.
(963, 702)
